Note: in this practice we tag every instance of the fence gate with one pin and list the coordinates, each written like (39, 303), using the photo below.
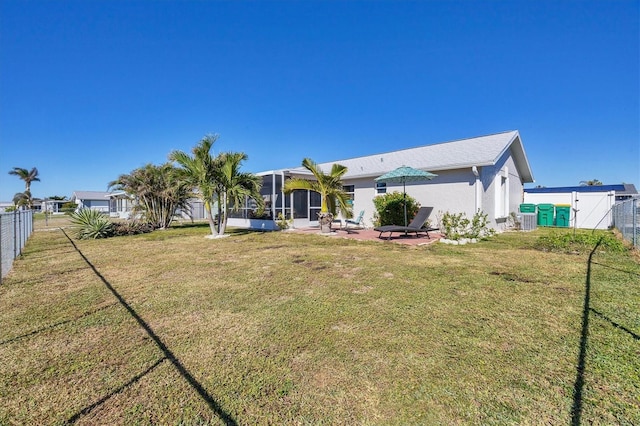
(626, 218)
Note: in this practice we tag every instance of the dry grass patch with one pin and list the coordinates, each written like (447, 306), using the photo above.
(277, 328)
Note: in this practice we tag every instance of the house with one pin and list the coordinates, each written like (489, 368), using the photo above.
(96, 200)
(116, 204)
(4, 205)
(53, 206)
(591, 205)
(484, 173)
(120, 205)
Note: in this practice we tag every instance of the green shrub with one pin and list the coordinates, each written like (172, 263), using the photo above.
(479, 226)
(68, 207)
(581, 242)
(260, 213)
(456, 226)
(283, 222)
(453, 225)
(131, 228)
(390, 208)
(91, 224)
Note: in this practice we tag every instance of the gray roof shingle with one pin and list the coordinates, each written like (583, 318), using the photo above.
(90, 195)
(479, 151)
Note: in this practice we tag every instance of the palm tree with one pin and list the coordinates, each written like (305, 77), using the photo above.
(22, 199)
(200, 171)
(158, 190)
(234, 186)
(593, 182)
(28, 177)
(330, 188)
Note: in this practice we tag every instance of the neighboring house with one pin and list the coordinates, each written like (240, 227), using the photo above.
(4, 205)
(116, 204)
(194, 211)
(591, 205)
(96, 200)
(485, 173)
(627, 193)
(53, 206)
(120, 204)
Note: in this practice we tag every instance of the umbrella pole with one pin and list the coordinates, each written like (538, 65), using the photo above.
(404, 201)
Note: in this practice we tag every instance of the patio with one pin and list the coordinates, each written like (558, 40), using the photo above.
(371, 235)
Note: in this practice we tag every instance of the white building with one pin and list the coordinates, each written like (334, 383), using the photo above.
(590, 205)
(484, 173)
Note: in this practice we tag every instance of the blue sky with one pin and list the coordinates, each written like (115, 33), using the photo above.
(93, 89)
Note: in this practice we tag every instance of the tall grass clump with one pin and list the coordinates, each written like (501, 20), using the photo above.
(580, 242)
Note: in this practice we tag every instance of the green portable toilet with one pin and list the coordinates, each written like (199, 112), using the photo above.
(563, 215)
(527, 208)
(545, 214)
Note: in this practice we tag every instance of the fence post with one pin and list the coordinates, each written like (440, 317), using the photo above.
(634, 212)
(1, 240)
(19, 233)
(14, 219)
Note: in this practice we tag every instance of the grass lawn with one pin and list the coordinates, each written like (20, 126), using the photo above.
(282, 328)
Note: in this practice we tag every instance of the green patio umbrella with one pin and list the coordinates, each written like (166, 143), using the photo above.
(403, 175)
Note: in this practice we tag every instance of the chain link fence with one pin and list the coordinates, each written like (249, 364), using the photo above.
(626, 218)
(15, 229)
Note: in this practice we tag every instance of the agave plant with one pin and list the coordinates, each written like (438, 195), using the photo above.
(91, 224)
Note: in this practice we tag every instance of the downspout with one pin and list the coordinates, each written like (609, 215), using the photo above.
(477, 188)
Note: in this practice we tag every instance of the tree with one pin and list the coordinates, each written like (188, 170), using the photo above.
(234, 186)
(158, 190)
(593, 182)
(330, 188)
(199, 170)
(28, 177)
(21, 199)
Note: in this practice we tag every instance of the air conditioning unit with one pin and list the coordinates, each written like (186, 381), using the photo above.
(528, 221)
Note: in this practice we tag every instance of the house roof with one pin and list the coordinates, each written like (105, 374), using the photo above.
(479, 151)
(629, 189)
(90, 195)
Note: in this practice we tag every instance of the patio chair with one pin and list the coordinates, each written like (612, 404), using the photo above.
(357, 222)
(416, 226)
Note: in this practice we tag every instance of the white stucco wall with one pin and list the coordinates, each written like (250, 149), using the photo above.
(491, 176)
(594, 208)
(451, 191)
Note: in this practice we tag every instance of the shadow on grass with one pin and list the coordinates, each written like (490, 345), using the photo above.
(615, 324)
(182, 370)
(58, 324)
(182, 225)
(578, 385)
(104, 399)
